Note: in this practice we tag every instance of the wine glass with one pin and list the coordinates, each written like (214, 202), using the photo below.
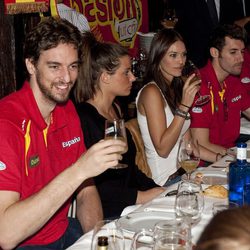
(143, 240)
(168, 226)
(187, 71)
(168, 231)
(189, 201)
(115, 129)
(148, 240)
(170, 241)
(189, 204)
(106, 235)
(188, 156)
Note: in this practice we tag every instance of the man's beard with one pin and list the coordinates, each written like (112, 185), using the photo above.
(48, 93)
(237, 72)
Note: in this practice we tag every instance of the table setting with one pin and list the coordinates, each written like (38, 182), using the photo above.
(142, 219)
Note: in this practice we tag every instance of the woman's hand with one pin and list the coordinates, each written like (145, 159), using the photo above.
(190, 88)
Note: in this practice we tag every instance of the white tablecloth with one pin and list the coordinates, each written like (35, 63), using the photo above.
(163, 203)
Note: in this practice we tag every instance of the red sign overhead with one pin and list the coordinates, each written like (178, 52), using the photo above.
(114, 20)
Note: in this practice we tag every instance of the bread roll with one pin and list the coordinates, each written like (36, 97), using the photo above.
(216, 191)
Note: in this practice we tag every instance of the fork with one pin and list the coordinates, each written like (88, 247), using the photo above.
(216, 166)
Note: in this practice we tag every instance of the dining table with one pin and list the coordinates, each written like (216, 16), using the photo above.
(133, 218)
(244, 126)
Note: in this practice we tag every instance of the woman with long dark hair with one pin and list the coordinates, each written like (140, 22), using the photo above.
(163, 104)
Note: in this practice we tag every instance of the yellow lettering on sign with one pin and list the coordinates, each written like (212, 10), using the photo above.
(123, 16)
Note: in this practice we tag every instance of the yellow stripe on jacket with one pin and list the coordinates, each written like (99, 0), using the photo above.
(27, 145)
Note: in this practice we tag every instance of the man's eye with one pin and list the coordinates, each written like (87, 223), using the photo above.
(74, 67)
(233, 52)
(53, 66)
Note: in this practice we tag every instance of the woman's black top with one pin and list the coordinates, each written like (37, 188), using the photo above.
(117, 187)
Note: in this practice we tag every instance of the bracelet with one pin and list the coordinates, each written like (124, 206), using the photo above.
(182, 114)
(184, 105)
(217, 155)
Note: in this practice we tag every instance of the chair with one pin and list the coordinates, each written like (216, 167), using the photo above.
(140, 160)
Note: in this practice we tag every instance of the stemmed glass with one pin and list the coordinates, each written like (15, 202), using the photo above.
(115, 129)
(107, 234)
(149, 240)
(187, 71)
(189, 204)
(170, 241)
(170, 234)
(188, 156)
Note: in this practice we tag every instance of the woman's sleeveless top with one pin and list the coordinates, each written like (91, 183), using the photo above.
(161, 168)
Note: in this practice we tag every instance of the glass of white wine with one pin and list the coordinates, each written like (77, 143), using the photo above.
(115, 129)
(188, 155)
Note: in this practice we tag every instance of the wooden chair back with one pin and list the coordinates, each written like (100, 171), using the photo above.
(141, 159)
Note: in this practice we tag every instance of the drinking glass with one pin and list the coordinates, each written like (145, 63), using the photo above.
(115, 129)
(188, 156)
(108, 230)
(167, 226)
(170, 241)
(143, 240)
(187, 71)
(189, 201)
(149, 240)
(189, 204)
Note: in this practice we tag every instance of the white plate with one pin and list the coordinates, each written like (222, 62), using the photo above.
(136, 221)
(212, 177)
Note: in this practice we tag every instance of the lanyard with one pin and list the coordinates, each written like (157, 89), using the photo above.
(221, 94)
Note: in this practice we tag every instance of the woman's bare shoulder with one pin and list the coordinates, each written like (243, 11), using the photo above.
(151, 89)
